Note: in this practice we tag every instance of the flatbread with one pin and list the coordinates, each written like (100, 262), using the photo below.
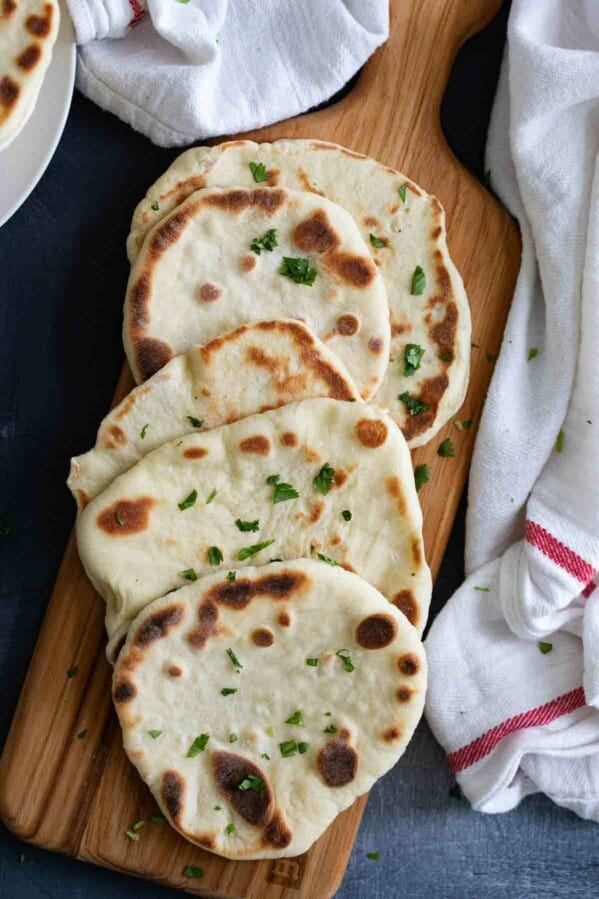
(438, 320)
(197, 277)
(262, 787)
(256, 367)
(28, 30)
(162, 517)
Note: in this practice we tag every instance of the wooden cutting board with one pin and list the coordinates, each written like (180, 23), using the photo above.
(65, 783)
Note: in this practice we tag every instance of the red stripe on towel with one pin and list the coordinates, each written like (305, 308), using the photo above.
(138, 13)
(562, 555)
(544, 714)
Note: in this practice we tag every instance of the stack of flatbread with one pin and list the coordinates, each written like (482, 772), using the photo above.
(28, 30)
(248, 513)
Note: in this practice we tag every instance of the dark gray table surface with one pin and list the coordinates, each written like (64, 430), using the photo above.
(62, 277)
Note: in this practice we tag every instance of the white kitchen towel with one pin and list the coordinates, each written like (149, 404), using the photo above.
(183, 71)
(533, 518)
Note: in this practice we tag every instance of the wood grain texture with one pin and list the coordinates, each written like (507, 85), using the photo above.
(79, 796)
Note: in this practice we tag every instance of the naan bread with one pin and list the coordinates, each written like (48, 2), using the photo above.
(438, 320)
(175, 509)
(28, 30)
(197, 277)
(256, 785)
(256, 367)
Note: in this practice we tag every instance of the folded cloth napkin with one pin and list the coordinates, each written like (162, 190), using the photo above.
(181, 70)
(514, 656)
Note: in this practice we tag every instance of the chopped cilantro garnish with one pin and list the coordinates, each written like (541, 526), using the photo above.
(198, 745)
(288, 748)
(331, 729)
(192, 870)
(462, 425)
(73, 671)
(343, 655)
(228, 691)
(422, 475)
(252, 782)
(118, 518)
(402, 190)
(231, 576)
(482, 589)
(418, 282)
(189, 501)
(155, 206)
(377, 242)
(137, 826)
(267, 242)
(545, 647)
(445, 357)
(230, 828)
(144, 431)
(324, 479)
(328, 559)
(248, 551)
(248, 525)
(532, 353)
(347, 516)
(265, 755)
(373, 856)
(82, 734)
(296, 718)
(312, 663)
(258, 170)
(154, 734)
(303, 747)
(195, 422)
(282, 491)
(233, 738)
(189, 574)
(234, 658)
(215, 556)
(414, 406)
(132, 835)
(299, 270)
(446, 449)
(211, 496)
(412, 357)
(270, 731)
(158, 819)
(218, 808)
(559, 443)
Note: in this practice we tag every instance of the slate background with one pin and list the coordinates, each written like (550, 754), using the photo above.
(62, 277)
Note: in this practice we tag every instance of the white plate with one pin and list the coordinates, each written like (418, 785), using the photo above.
(24, 161)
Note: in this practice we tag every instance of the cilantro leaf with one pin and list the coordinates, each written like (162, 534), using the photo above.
(414, 406)
(258, 170)
(324, 479)
(249, 551)
(268, 242)
(195, 422)
(418, 282)
(198, 745)
(248, 525)
(422, 475)
(412, 356)
(446, 449)
(189, 574)
(189, 501)
(403, 190)
(215, 556)
(378, 242)
(299, 270)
